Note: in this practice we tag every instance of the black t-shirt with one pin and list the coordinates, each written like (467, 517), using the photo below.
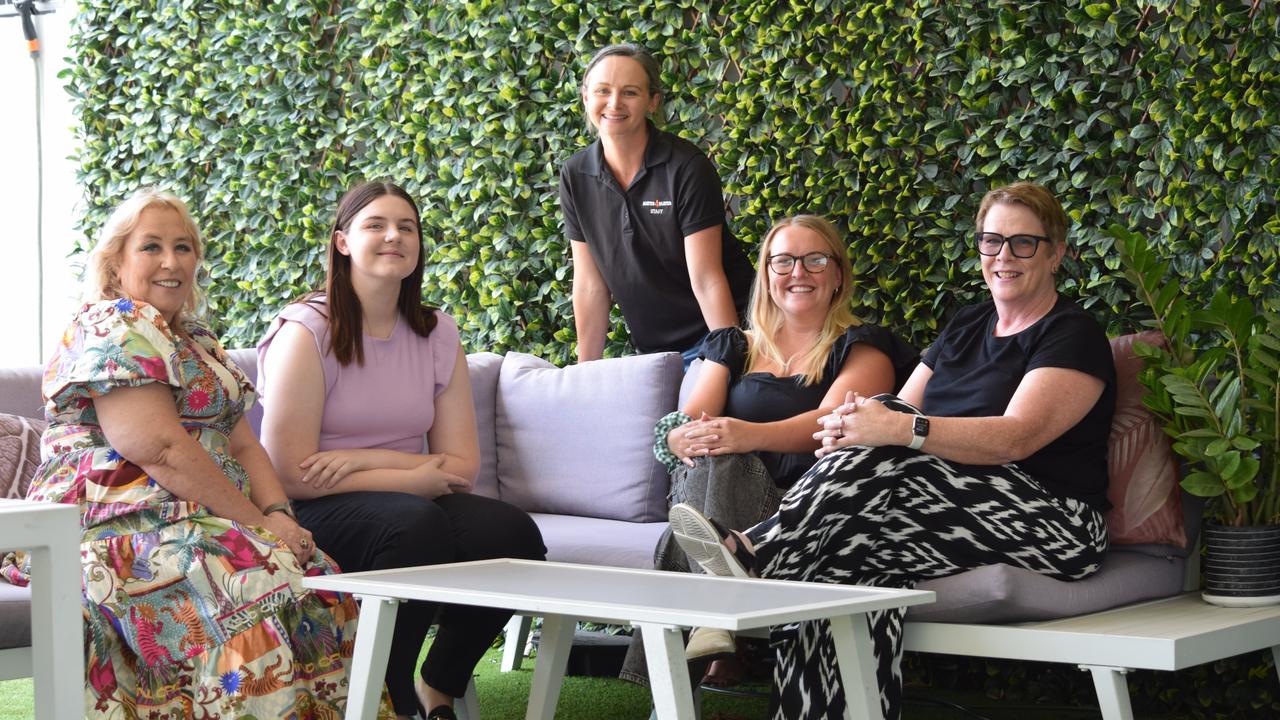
(975, 374)
(636, 236)
(762, 397)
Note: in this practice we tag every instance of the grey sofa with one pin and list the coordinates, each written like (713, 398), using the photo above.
(572, 447)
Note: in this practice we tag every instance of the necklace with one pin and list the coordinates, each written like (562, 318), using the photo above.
(786, 364)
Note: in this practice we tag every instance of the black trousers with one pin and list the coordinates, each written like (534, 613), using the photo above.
(383, 530)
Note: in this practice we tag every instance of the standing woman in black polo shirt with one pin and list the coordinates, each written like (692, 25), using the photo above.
(644, 212)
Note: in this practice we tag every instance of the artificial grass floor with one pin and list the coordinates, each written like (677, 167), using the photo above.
(503, 697)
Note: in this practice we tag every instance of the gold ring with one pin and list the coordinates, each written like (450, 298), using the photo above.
(305, 543)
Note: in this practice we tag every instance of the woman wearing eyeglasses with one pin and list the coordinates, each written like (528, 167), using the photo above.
(746, 432)
(1006, 463)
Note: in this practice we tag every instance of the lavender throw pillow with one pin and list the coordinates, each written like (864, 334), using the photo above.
(578, 440)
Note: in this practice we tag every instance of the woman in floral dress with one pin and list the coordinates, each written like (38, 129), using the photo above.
(193, 562)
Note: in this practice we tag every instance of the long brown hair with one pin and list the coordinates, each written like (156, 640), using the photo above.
(765, 318)
(346, 325)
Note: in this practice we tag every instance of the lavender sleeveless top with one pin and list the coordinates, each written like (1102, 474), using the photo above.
(387, 403)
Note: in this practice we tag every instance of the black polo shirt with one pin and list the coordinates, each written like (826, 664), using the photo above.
(636, 236)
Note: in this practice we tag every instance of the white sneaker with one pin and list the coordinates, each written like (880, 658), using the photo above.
(702, 539)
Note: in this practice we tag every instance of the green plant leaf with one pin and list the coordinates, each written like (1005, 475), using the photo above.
(1202, 484)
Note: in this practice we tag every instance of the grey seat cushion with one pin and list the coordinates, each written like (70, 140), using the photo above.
(1005, 594)
(595, 541)
(15, 616)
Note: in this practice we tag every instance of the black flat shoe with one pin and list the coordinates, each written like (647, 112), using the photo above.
(441, 712)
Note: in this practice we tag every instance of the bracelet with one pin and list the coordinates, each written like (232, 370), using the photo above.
(282, 506)
(660, 449)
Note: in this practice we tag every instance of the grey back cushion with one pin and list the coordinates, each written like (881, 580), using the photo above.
(484, 368)
(579, 440)
(20, 391)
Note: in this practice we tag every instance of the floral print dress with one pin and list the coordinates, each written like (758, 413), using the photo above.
(187, 614)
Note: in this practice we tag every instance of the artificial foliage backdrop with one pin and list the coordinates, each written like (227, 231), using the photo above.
(890, 117)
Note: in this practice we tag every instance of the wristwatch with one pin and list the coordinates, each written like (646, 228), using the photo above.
(919, 431)
(282, 506)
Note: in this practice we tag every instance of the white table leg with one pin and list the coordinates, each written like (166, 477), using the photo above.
(57, 627)
(548, 671)
(668, 671)
(857, 667)
(513, 647)
(369, 658)
(1113, 691)
(467, 707)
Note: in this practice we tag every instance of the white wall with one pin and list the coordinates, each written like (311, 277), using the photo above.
(21, 342)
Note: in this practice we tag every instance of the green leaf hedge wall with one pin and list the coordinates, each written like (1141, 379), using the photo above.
(890, 117)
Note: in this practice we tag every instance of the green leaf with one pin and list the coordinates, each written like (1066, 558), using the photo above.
(1202, 484)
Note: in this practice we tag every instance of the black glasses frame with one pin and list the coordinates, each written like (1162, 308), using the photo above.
(1012, 241)
(790, 261)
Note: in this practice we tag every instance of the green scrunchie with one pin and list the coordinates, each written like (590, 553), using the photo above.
(660, 450)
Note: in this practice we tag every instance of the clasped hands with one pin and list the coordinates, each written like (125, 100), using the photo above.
(298, 538)
(857, 421)
(708, 436)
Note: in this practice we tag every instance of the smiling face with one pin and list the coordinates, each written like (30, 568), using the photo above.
(157, 263)
(801, 292)
(383, 240)
(617, 98)
(1016, 281)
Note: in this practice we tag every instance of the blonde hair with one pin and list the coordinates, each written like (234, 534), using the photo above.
(102, 277)
(765, 319)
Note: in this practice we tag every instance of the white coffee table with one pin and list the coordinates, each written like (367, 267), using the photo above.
(55, 660)
(660, 604)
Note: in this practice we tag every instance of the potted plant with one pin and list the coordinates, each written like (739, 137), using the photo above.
(1215, 388)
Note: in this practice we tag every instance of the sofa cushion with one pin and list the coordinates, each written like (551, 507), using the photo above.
(484, 368)
(1144, 492)
(579, 440)
(247, 360)
(19, 453)
(15, 616)
(20, 391)
(1004, 594)
(689, 381)
(592, 541)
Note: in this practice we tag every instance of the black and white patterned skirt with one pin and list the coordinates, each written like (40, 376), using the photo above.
(891, 516)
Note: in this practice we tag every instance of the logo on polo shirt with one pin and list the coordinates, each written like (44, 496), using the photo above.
(656, 207)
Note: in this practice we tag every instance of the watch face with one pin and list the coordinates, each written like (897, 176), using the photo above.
(921, 427)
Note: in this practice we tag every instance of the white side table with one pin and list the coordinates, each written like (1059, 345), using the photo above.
(51, 533)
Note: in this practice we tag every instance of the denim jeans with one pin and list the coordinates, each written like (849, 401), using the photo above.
(737, 491)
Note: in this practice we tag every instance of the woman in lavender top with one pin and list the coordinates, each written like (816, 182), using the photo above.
(351, 380)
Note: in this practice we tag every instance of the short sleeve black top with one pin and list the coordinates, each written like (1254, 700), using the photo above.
(975, 374)
(762, 397)
(636, 236)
